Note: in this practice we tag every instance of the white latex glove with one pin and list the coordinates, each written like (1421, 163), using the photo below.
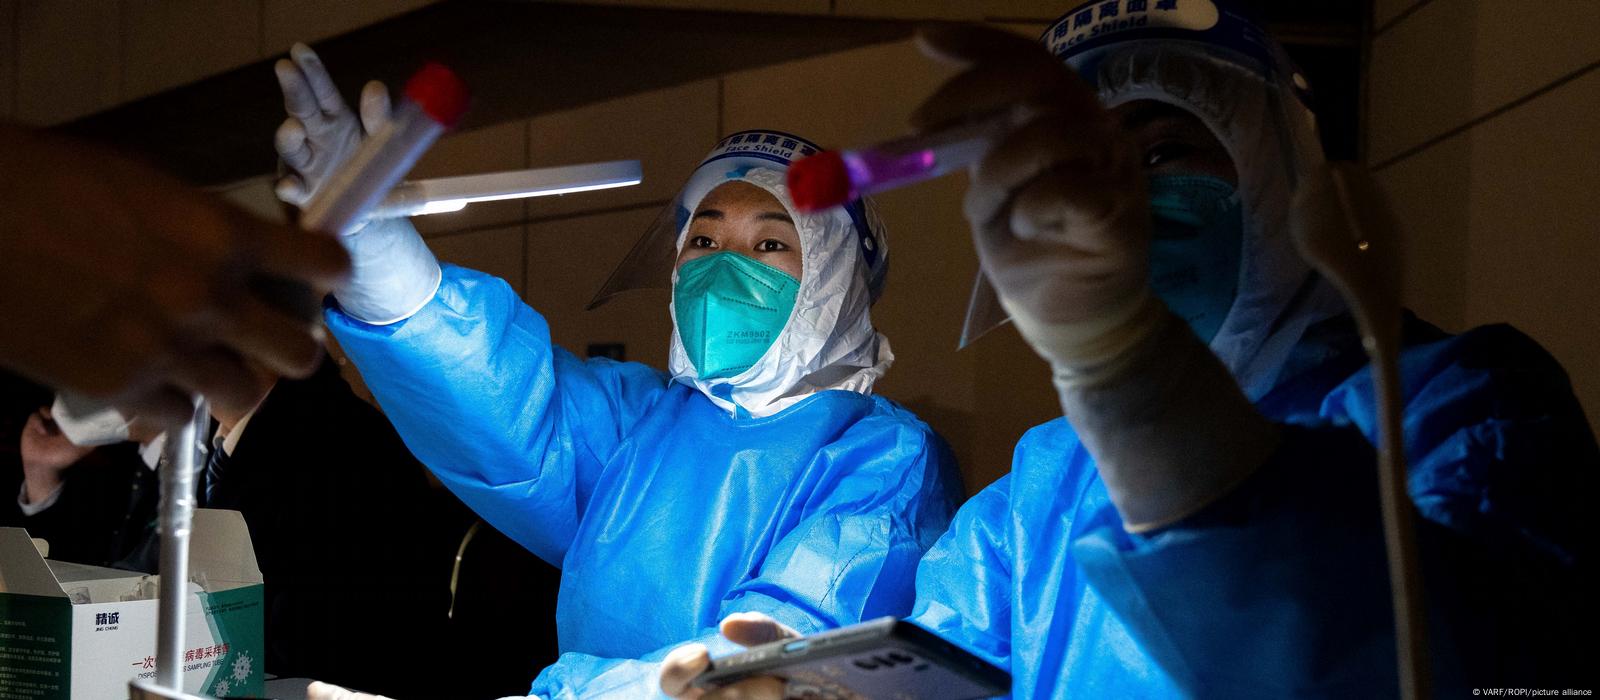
(1057, 206)
(393, 274)
(1061, 221)
(682, 665)
(321, 132)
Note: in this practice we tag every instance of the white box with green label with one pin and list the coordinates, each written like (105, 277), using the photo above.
(75, 632)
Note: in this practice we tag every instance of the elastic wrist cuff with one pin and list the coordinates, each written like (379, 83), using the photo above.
(1090, 351)
(393, 274)
(407, 311)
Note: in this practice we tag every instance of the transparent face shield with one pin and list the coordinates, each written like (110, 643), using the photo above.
(649, 264)
(1211, 62)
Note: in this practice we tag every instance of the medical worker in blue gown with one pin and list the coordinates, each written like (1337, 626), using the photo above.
(1203, 521)
(758, 474)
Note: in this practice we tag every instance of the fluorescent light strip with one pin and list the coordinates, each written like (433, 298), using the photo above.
(444, 206)
(543, 192)
(441, 207)
(449, 194)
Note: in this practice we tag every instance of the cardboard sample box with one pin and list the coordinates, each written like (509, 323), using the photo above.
(75, 632)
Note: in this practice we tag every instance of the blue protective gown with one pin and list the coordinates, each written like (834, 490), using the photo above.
(1280, 589)
(664, 512)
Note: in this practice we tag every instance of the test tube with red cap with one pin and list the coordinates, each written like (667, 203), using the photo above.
(433, 102)
(832, 178)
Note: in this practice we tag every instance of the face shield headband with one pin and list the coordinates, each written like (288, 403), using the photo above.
(1079, 38)
(649, 264)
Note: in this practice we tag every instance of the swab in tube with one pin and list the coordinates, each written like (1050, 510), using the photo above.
(434, 101)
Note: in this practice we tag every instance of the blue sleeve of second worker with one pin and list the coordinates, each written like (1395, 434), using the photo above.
(888, 496)
(964, 584)
(516, 427)
(884, 501)
(1282, 590)
(1242, 607)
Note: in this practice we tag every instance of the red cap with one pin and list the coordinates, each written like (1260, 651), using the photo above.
(819, 182)
(439, 92)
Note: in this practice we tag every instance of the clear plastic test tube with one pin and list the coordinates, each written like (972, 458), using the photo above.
(832, 178)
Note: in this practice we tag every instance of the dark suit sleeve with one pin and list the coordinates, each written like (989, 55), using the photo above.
(101, 514)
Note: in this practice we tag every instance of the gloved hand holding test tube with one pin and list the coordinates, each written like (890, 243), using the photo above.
(434, 101)
(1327, 213)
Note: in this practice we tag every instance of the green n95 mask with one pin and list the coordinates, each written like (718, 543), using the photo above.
(1195, 248)
(729, 309)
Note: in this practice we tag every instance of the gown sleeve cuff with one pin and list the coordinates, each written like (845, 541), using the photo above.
(1091, 351)
(393, 273)
(1168, 427)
